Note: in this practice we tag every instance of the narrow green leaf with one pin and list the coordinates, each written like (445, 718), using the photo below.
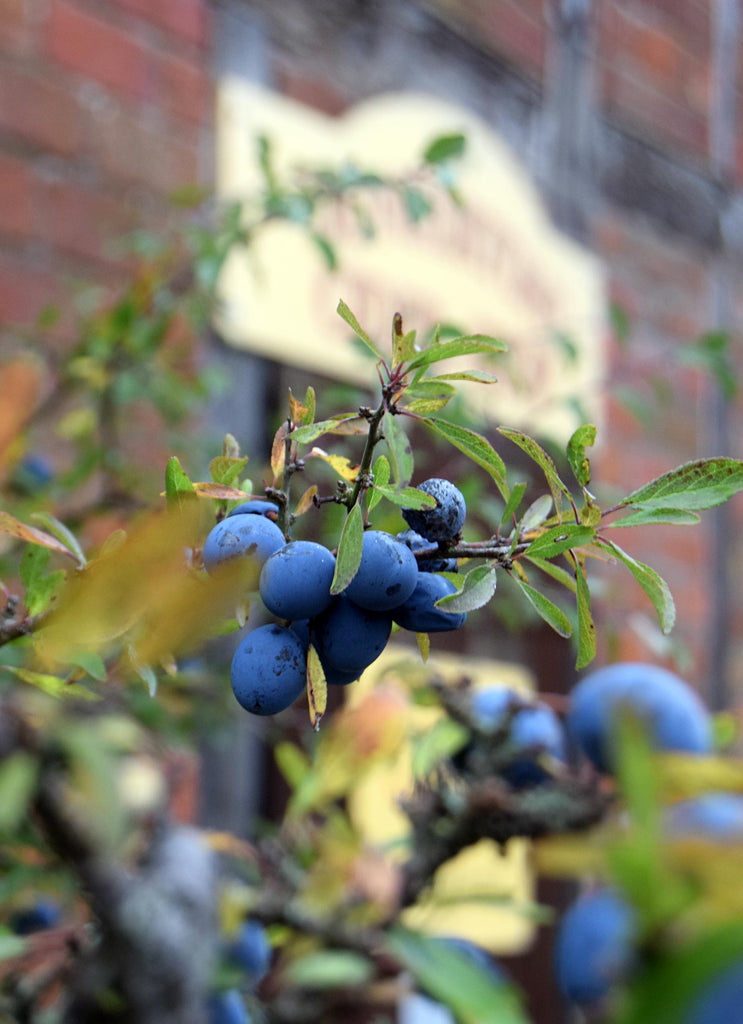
(381, 471)
(62, 533)
(654, 585)
(350, 424)
(432, 388)
(350, 545)
(584, 437)
(92, 663)
(477, 589)
(329, 968)
(557, 572)
(18, 775)
(546, 608)
(427, 406)
(477, 376)
(40, 587)
(178, 487)
(586, 628)
(474, 994)
(401, 452)
(442, 741)
(561, 538)
(406, 497)
(226, 470)
(309, 404)
(11, 946)
(694, 486)
(403, 345)
(345, 314)
(536, 513)
(445, 147)
(539, 455)
(326, 248)
(424, 645)
(292, 762)
(468, 344)
(658, 516)
(53, 685)
(475, 447)
(417, 204)
(513, 502)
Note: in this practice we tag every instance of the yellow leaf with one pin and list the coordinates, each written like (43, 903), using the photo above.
(15, 528)
(340, 464)
(305, 502)
(278, 454)
(317, 687)
(424, 645)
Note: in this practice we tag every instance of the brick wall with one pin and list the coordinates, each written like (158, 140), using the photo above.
(105, 110)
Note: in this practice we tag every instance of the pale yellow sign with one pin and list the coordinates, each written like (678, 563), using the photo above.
(484, 893)
(496, 266)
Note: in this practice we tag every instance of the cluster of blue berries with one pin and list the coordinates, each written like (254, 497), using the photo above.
(349, 630)
(250, 953)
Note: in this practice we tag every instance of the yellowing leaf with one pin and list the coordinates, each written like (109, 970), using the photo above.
(340, 464)
(317, 687)
(15, 528)
(305, 502)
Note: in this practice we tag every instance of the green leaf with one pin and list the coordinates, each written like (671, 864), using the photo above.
(18, 775)
(536, 513)
(226, 470)
(345, 313)
(694, 486)
(513, 502)
(539, 455)
(468, 344)
(445, 739)
(654, 585)
(11, 946)
(292, 762)
(659, 516)
(326, 248)
(62, 533)
(92, 663)
(401, 452)
(557, 572)
(309, 404)
(477, 589)
(350, 546)
(53, 685)
(329, 968)
(561, 538)
(178, 487)
(381, 473)
(544, 607)
(445, 147)
(478, 376)
(664, 995)
(475, 447)
(584, 437)
(403, 345)
(586, 628)
(417, 204)
(40, 587)
(349, 424)
(406, 497)
(448, 975)
(432, 389)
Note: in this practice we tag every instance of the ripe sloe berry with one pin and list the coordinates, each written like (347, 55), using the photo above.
(295, 580)
(269, 670)
(420, 614)
(415, 542)
(387, 574)
(247, 536)
(445, 520)
(594, 946)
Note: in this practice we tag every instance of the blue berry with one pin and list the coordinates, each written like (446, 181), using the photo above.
(415, 542)
(713, 816)
(255, 507)
(720, 1000)
(227, 1008)
(675, 717)
(348, 638)
(444, 521)
(244, 536)
(420, 614)
(533, 730)
(295, 580)
(594, 948)
(251, 951)
(37, 917)
(269, 670)
(386, 575)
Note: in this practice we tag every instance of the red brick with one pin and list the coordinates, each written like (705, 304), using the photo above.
(134, 152)
(24, 291)
(94, 49)
(184, 89)
(187, 18)
(79, 221)
(37, 111)
(15, 197)
(15, 32)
